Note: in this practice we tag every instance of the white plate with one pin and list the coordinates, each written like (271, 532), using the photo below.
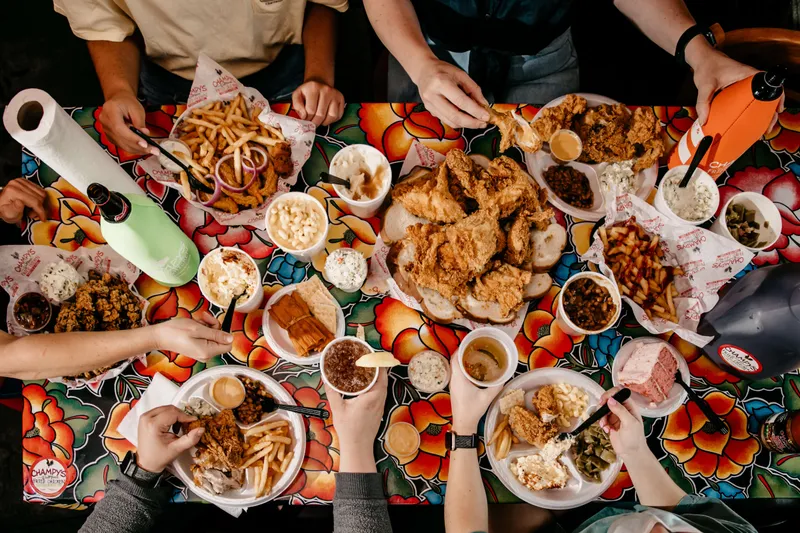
(198, 386)
(578, 491)
(278, 338)
(539, 161)
(676, 395)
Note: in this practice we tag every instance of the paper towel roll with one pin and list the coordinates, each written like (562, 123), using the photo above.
(38, 123)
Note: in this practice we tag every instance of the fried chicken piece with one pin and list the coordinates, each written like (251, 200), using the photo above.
(545, 403)
(518, 242)
(504, 284)
(513, 131)
(281, 157)
(270, 180)
(430, 197)
(602, 130)
(551, 119)
(226, 204)
(500, 187)
(530, 428)
(448, 257)
(646, 137)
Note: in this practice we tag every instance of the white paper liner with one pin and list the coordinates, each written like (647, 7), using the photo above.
(212, 83)
(421, 155)
(22, 266)
(708, 260)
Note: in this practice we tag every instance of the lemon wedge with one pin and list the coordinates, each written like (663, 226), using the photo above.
(377, 360)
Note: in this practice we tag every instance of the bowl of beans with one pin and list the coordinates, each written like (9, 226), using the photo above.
(32, 312)
(589, 303)
(298, 224)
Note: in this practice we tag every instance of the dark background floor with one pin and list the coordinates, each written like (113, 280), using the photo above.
(37, 49)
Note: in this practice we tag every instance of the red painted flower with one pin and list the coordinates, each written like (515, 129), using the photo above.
(781, 187)
(541, 343)
(786, 133)
(676, 120)
(619, 486)
(406, 332)
(411, 500)
(208, 234)
(700, 365)
(113, 440)
(72, 220)
(393, 128)
(249, 344)
(710, 453)
(45, 433)
(159, 123)
(432, 420)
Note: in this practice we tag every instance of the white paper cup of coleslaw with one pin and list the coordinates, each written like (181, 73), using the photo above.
(243, 306)
(348, 162)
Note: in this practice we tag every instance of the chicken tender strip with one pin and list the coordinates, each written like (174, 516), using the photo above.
(430, 197)
(504, 284)
(551, 119)
(530, 428)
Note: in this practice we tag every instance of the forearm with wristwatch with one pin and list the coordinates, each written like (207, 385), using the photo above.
(132, 502)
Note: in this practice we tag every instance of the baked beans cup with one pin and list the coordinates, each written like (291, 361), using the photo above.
(567, 325)
(288, 229)
(327, 373)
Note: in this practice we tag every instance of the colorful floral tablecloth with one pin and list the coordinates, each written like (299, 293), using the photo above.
(79, 426)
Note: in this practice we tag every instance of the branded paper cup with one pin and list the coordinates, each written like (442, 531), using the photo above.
(567, 325)
(702, 176)
(510, 351)
(375, 161)
(305, 254)
(252, 303)
(325, 375)
(765, 209)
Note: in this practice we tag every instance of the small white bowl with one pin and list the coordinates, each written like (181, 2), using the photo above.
(325, 377)
(677, 395)
(700, 175)
(252, 303)
(765, 211)
(307, 254)
(511, 355)
(362, 208)
(569, 133)
(567, 325)
(446, 365)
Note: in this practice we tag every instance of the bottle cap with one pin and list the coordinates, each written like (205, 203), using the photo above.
(776, 76)
(98, 194)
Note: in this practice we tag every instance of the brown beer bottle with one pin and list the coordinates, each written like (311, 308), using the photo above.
(780, 433)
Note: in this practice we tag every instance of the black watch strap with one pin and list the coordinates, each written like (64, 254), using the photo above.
(688, 35)
(142, 477)
(453, 441)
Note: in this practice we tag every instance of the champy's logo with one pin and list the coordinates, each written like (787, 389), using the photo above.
(48, 477)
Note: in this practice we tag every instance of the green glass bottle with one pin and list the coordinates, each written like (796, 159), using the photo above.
(140, 231)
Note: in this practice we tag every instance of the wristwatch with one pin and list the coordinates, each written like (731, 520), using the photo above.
(710, 33)
(142, 477)
(453, 441)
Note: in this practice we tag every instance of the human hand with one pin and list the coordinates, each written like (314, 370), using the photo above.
(120, 111)
(624, 426)
(451, 95)
(158, 446)
(19, 195)
(468, 402)
(318, 102)
(199, 340)
(357, 421)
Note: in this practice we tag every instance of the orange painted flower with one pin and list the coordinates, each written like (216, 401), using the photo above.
(432, 420)
(541, 343)
(676, 120)
(405, 332)
(706, 453)
(113, 440)
(700, 365)
(45, 433)
(786, 133)
(393, 128)
(619, 486)
(72, 220)
(249, 344)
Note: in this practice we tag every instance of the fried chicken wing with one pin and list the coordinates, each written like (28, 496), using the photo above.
(514, 131)
(504, 284)
(551, 119)
(431, 197)
(447, 258)
(530, 428)
(645, 134)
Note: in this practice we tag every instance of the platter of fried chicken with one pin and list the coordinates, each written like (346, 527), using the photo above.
(522, 429)
(471, 238)
(246, 456)
(615, 150)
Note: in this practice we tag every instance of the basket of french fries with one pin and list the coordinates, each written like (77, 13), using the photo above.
(235, 153)
(669, 273)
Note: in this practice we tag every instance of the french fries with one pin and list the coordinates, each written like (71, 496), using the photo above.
(268, 449)
(635, 258)
(219, 129)
(502, 439)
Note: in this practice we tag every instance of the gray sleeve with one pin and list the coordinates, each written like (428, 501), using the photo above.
(126, 508)
(359, 505)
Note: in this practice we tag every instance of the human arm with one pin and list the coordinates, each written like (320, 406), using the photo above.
(625, 430)
(132, 505)
(316, 99)
(664, 21)
(42, 356)
(21, 195)
(465, 506)
(447, 91)
(359, 504)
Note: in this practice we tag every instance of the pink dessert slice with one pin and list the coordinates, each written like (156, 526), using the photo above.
(650, 371)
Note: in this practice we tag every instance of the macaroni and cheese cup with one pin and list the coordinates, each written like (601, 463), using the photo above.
(243, 306)
(282, 226)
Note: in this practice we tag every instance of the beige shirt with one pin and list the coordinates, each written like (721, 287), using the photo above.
(244, 36)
